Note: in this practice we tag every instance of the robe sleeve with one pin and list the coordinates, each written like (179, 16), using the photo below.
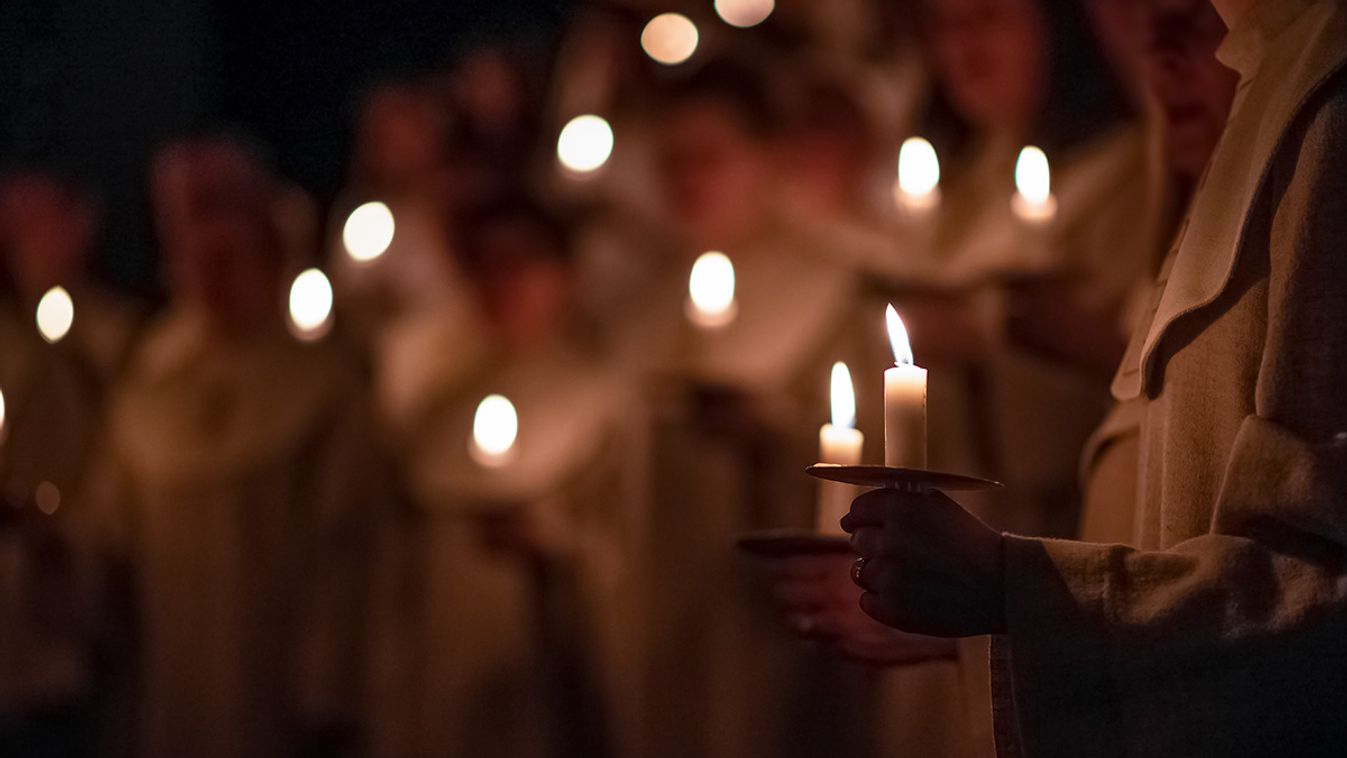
(1235, 635)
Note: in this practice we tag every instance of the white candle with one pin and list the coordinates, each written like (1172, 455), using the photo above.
(711, 303)
(839, 442)
(917, 191)
(904, 402)
(495, 428)
(1033, 202)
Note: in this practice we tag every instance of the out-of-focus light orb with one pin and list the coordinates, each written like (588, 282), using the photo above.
(368, 232)
(495, 427)
(744, 13)
(670, 38)
(1033, 176)
(711, 290)
(55, 315)
(1033, 201)
(48, 498)
(585, 144)
(918, 167)
(2, 416)
(310, 305)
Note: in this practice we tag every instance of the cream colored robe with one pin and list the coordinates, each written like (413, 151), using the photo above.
(240, 486)
(1220, 633)
(482, 654)
(52, 411)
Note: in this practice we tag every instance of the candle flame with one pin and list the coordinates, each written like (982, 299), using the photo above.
(843, 397)
(495, 427)
(918, 167)
(670, 38)
(902, 349)
(310, 305)
(711, 287)
(1033, 176)
(744, 13)
(2, 416)
(368, 232)
(585, 144)
(55, 315)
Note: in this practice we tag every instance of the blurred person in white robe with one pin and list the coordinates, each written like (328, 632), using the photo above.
(512, 631)
(49, 229)
(239, 484)
(1010, 73)
(50, 655)
(393, 264)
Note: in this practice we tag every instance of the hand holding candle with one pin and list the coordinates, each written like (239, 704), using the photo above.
(904, 402)
(839, 442)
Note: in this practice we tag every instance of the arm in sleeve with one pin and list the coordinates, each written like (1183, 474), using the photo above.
(1097, 632)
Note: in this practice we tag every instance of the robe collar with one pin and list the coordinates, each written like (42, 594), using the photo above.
(1302, 42)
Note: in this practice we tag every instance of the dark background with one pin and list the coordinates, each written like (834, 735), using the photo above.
(90, 87)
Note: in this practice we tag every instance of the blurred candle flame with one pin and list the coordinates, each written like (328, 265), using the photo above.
(902, 348)
(918, 168)
(670, 38)
(744, 13)
(843, 397)
(368, 232)
(495, 427)
(585, 144)
(711, 290)
(55, 315)
(1033, 176)
(2, 416)
(310, 305)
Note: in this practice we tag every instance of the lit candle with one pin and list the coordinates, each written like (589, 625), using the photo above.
(310, 306)
(670, 38)
(904, 402)
(917, 190)
(711, 303)
(368, 232)
(839, 442)
(1034, 202)
(495, 428)
(55, 315)
(585, 144)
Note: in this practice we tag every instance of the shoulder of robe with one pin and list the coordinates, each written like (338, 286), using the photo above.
(180, 414)
(1303, 107)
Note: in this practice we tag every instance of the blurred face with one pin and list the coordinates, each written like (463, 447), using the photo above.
(527, 297)
(714, 173)
(990, 58)
(1193, 89)
(1121, 28)
(400, 135)
(219, 244)
(47, 233)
